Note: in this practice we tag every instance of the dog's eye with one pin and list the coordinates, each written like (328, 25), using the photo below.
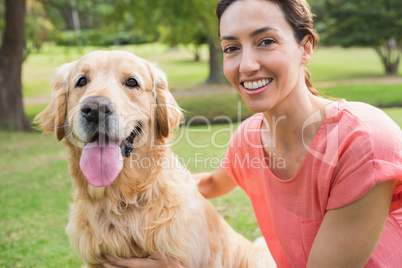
(82, 82)
(132, 82)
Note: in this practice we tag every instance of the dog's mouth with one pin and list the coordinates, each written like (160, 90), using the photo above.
(126, 145)
(102, 159)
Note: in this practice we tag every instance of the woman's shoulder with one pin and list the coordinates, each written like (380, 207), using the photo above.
(365, 124)
(365, 115)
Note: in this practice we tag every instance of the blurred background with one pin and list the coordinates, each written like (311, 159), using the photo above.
(358, 59)
(360, 45)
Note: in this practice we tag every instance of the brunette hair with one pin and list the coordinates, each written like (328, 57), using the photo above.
(298, 15)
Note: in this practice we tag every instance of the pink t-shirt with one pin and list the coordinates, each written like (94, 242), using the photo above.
(357, 147)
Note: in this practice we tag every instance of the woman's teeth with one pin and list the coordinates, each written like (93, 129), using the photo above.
(257, 84)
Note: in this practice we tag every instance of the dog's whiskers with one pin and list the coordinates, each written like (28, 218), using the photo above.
(64, 126)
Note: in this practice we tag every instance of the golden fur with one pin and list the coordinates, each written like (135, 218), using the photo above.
(148, 209)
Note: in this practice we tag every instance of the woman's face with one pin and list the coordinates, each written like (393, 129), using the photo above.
(262, 59)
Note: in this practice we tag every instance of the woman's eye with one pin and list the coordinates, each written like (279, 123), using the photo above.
(267, 42)
(230, 49)
(132, 83)
(82, 82)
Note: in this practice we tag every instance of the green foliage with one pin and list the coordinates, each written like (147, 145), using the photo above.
(38, 27)
(364, 22)
(375, 24)
(98, 37)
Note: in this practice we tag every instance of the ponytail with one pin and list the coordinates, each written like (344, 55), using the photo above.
(309, 84)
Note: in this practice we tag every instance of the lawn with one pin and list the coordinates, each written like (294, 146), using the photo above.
(329, 64)
(35, 186)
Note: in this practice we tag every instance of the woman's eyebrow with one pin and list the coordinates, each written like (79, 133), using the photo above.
(253, 34)
(228, 37)
(262, 30)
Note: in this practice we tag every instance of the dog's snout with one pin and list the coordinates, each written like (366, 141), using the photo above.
(96, 108)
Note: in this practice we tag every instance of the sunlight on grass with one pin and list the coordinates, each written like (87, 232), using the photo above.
(335, 64)
(328, 64)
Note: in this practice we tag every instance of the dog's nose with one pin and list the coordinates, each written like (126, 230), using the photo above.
(96, 108)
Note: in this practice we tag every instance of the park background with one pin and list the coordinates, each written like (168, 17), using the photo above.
(358, 59)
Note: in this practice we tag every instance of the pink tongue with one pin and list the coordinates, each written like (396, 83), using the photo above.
(101, 164)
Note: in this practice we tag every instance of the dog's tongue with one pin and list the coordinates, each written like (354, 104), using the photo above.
(101, 164)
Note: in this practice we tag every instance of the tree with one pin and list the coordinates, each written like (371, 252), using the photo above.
(375, 24)
(180, 22)
(12, 114)
(193, 21)
(38, 27)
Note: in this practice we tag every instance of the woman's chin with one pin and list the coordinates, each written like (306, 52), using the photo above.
(258, 107)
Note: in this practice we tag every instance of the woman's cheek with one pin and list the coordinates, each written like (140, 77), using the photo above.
(228, 70)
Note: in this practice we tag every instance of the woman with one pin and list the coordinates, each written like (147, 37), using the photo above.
(328, 192)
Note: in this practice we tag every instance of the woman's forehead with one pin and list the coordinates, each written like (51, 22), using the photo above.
(249, 15)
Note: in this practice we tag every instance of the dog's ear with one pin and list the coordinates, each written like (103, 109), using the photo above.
(168, 114)
(52, 119)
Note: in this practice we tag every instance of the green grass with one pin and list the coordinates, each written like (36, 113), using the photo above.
(182, 71)
(336, 64)
(35, 193)
(228, 107)
(374, 94)
(328, 64)
(215, 108)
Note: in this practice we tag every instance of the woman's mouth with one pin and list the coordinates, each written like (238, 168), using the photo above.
(257, 87)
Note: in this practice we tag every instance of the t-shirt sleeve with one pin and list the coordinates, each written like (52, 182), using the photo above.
(370, 152)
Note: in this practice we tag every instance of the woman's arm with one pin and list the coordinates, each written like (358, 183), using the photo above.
(214, 184)
(349, 235)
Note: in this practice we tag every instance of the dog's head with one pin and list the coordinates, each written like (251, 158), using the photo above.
(107, 103)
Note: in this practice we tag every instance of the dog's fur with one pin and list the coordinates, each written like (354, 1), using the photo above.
(148, 209)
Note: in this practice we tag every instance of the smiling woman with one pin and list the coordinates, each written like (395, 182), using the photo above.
(274, 46)
(343, 160)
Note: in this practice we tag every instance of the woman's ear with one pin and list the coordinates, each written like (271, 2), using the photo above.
(52, 119)
(168, 114)
(307, 48)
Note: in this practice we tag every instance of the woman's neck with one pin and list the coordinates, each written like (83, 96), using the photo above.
(294, 123)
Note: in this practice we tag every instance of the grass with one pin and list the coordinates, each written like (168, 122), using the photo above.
(182, 72)
(380, 95)
(228, 107)
(336, 64)
(329, 64)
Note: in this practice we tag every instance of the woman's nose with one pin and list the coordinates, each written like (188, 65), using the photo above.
(249, 62)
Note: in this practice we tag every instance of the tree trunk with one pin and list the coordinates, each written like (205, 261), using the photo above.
(215, 64)
(392, 68)
(390, 54)
(12, 114)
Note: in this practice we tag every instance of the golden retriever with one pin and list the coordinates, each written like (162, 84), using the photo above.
(109, 106)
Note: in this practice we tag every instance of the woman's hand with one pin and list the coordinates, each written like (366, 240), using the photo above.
(153, 261)
(214, 184)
